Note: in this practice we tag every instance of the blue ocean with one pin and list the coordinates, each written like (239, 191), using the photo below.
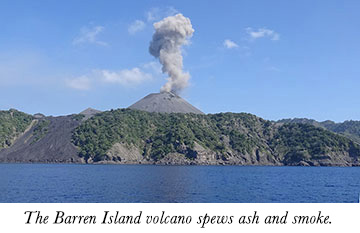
(48, 183)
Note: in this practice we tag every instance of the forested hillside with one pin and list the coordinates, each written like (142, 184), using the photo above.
(12, 124)
(229, 137)
(133, 136)
(350, 129)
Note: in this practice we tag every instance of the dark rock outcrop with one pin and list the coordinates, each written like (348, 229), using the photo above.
(126, 136)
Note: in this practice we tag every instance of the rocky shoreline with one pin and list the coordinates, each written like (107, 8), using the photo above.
(50, 140)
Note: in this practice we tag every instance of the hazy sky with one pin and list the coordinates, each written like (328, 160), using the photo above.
(275, 59)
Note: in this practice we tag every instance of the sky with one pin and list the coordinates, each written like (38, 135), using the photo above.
(275, 59)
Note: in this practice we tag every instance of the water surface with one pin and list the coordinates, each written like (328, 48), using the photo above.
(151, 183)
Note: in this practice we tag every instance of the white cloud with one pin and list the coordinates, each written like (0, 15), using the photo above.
(89, 35)
(136, 26)
(156, 13)
(125, 77)
(153, 14)
(81, 83)
(262, 32)
(153, 67)
(230, 44)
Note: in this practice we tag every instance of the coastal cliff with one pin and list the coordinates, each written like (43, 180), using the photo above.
(127, 136)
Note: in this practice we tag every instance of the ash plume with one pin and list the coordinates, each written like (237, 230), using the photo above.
(170, 34)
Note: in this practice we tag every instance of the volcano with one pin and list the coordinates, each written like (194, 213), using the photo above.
(165, 102)
(89, 112)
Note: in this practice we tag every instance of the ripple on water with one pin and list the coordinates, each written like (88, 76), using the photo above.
(147, 183)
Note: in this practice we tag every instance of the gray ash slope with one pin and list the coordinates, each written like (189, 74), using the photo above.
(52, 146)
(132, 136)
(164, 102)
(47, 140)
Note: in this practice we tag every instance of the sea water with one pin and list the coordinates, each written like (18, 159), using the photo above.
(151, 183)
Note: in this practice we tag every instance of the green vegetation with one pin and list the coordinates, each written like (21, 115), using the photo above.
(78, 117)
(226, 134)
(40, 130)
(350, 129)
(12, 124)
(300, 142)
(159, 134)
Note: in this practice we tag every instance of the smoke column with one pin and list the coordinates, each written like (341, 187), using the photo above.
(170, 34)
